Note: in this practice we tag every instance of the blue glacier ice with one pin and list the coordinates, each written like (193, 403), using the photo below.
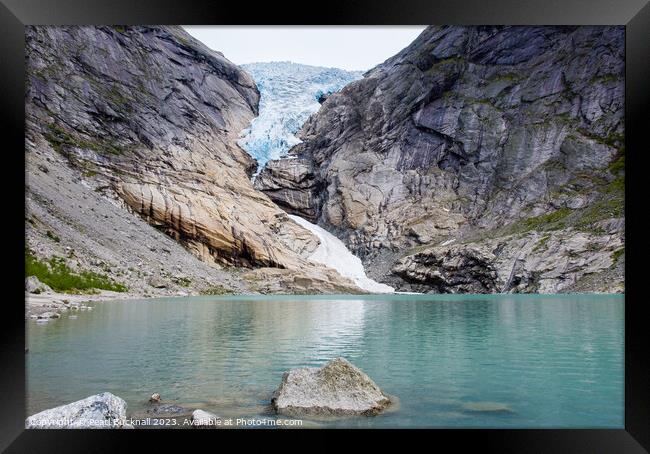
(289, 94)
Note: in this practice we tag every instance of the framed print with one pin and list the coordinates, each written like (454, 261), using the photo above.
(424, 216)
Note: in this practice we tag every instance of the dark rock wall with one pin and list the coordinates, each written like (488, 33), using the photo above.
(471, 134)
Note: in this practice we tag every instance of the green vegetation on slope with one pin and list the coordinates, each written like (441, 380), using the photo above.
(53, 236)
(617, 254)
(551, 221)
(59, 138)
(56, 274)
(610, 202)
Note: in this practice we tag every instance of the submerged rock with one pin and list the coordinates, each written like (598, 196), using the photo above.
(336, 389)
(46, 315)
(170, 410)
(101, 411)
(487, 407)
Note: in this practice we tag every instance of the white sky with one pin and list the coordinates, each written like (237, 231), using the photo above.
(345, 47)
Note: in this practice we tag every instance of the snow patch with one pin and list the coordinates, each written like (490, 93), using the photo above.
(333, 253)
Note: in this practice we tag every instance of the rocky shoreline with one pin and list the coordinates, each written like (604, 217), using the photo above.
(338, 389)
(46, 306)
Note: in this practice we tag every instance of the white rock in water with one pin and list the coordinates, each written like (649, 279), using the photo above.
(336, 389)
(204, 418)
(101, 411)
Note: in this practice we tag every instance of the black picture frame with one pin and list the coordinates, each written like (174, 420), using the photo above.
(634, 14)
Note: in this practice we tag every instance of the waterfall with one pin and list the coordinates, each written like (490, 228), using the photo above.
(333, 253)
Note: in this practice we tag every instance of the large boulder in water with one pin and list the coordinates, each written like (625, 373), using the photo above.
(101, 411)
(336, 389)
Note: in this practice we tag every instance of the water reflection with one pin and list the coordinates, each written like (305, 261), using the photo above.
(556, 361)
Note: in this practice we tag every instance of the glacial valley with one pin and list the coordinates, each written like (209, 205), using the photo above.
(476, 160)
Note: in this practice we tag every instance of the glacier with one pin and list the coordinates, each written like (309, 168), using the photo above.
(289, 94)
(332, 252)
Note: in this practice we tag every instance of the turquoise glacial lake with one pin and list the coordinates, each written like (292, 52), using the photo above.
(499, 361)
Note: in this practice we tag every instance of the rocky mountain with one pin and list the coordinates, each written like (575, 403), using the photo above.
(131, 144)
(289, 94)
(478, 159)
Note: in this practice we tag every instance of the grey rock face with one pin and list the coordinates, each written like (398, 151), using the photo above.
(101, 411)
(529, 262)
(451, 270)
(145, 120)
(336, 389)
(151, 116)
(464, 132)
(291, 184)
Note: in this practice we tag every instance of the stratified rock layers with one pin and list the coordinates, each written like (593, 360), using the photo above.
(478, 159)
(150, 118)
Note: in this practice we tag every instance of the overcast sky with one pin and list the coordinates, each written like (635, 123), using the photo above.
(352, 48)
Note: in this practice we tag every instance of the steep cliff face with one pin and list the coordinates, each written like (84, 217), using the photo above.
(147, 118)
(477, 159)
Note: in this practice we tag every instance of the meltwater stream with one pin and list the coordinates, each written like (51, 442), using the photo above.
(333, 253)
